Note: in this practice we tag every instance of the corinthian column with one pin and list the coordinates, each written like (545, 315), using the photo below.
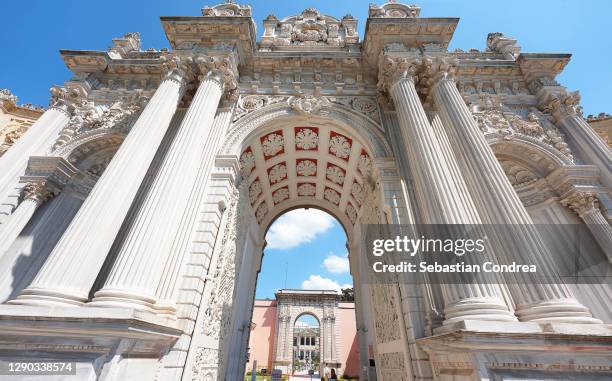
(34, 195)
(586, 206)
(590, 147)
(71, 269)
(498, 203)
(36, 141)
(438, 193)
(138, 269)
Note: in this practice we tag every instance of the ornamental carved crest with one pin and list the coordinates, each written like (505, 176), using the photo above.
(308, 104)
(310, 28)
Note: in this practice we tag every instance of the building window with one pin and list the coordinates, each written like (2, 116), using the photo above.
(301, 340)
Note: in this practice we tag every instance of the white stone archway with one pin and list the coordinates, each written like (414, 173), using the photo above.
(331, 158)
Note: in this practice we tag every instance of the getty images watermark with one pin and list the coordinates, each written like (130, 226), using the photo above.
(458, 247)
(454, 254)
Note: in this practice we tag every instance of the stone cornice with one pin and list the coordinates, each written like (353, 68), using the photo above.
(568, 179)
(53, 172)
(411, 32)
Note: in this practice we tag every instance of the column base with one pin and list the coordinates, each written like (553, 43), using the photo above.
(34, 296)
(559, 311)
(114, 298)
(477, 350)
(477, 309)
(165, 309)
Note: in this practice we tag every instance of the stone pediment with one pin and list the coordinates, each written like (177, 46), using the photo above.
(227, 9)
(310, 29)
(394, 9)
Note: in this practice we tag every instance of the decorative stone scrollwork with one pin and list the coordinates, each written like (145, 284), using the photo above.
(308, 104)
(228, 9)
(248, 103)
(205, 364)
(582, 203)
(518, 175)
(493, 117)
(394, 10)
(87, 117)
(392, 366)
(363, 105)
(63, 98)
(309, 28)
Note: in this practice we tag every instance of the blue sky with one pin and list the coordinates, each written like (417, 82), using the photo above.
(35, 30)
(306, 249)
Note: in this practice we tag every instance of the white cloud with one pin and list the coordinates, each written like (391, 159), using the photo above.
(336, 264)
(317, 282)
(297, 227)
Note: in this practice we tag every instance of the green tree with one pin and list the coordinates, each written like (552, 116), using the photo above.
(348, 294)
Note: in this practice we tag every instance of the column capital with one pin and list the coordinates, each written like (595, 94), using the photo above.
(179, 69)
(561, 104)
(223, 68)
(39, 191)
(582, 203)
(436, 69)
(64, 99)
(395, 68)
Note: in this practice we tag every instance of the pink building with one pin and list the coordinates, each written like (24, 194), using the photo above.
(271, 342)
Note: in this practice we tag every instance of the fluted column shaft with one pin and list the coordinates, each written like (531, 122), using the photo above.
(444, 202)
(139, 266)
(35, 194)
(71, 269)
(498, 203)
(586, 205)
(167, 288)
(36, 141)
(589, 146)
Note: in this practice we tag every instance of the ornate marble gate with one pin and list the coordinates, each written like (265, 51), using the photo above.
(134, 211)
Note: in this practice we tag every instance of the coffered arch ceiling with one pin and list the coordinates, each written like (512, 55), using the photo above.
(292, 163)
